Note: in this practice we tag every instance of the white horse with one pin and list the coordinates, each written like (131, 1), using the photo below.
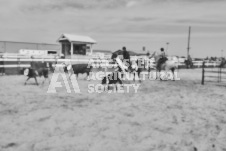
(168, 65)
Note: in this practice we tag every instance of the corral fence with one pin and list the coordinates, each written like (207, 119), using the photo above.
(213, 75)
(15, 66)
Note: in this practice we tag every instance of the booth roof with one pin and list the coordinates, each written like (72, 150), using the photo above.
(77, 38)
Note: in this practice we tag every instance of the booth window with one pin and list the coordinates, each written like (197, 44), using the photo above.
(79, 49)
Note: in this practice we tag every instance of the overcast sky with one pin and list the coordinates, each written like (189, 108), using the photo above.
(117, 23)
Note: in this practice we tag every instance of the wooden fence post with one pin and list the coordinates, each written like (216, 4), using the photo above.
(203, 72)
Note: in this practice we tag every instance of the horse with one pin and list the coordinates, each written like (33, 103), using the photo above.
(223, 63)
(122, 66)
(168, 65)
(77, 69)
(133, 66)
(37, 69)
(188, 62)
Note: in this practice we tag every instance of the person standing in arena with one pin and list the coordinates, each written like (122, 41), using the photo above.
(126, 56)
(162, 58)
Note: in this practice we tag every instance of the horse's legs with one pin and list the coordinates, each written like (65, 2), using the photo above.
(134, 76)
(70, 72)
(43, 81)
(149, 72)
(120, 81)
(26, 80)
(160, 75)
(157, 75)
(49, 80)
(105, 87)
(87, 78)
(36, 80)
(138, 73)
(76, 75)
(173, 69)
(122, 75)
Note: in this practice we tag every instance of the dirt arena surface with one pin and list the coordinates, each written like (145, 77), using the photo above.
(163, 115)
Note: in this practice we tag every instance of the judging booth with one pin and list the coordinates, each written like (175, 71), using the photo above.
(76, 47)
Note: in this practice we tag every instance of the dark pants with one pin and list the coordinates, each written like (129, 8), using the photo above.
(161, 61)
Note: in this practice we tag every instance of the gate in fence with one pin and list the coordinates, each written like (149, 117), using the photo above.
(214, 75)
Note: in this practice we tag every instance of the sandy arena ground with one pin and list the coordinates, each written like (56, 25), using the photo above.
(163, 115)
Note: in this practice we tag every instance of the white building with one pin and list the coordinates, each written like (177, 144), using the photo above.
(76, 46)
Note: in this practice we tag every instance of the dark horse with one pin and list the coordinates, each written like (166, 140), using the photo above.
(133, 66)
(222, 64)
(188, 62)
(115, 76)
(126, 59)
(37, 69)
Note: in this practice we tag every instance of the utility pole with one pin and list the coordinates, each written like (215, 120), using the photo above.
(167, 47)
(189, 36)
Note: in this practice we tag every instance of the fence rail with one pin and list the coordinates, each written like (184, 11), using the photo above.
(7, 65)
(195, 63)
(217, 74)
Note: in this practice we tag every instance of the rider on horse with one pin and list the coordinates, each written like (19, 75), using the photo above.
(162, 58)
